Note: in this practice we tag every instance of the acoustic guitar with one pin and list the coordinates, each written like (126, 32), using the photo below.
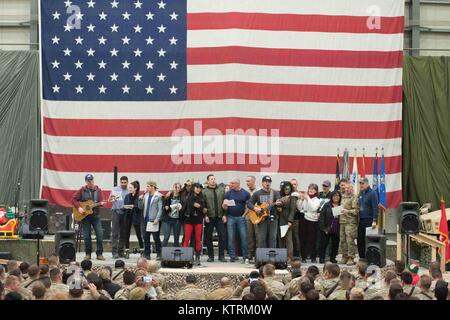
(265, 207)
(88, 207)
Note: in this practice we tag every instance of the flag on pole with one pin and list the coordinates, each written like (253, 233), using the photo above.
(345, 165)
(338, 171)
(382, 194)
(443, 231)
(375, 174)
(355, 179)
(363, 167)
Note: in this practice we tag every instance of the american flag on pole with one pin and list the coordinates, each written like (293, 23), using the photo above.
(122, 81)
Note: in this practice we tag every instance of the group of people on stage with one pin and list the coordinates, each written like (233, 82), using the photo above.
(309, 223)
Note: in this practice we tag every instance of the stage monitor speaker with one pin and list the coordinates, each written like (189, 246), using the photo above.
(6, 255)
(106, 227)
(409, 218)
(57, 221)
(65, 246)
(275, 256)
(26, 233)
(177, 257)
(376, 250)
(38, 215)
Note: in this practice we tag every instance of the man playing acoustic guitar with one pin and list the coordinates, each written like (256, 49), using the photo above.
(90, 192)
(267, 228)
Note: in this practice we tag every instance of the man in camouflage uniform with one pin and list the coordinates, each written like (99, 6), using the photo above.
(33, 276)
(292, 288)
(224, 292)
(129, 282)
(13, 284)
(346, 283)
(407, 280)
(348, 222)
(191, 291)
(57, 283)
(330, 280)
(424, 292)
(273, 284)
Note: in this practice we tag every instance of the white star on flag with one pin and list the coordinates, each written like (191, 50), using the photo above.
(114, 77)
(126, 40)
(161, 5)
(79, 89)
(126, 64)
(79, 64)
(162, 29)
(67, 76)
(173, 16)
(161, 77)
(137, 77)
(161, 53)
(138, 5)
(149, 40)
(56, 88)
(173, 90)
(126, 89)
(103, 16)
(55, 40)
(149, 89)
(173, 65)
(56, 15)
(79, 40)
(90, 4)
(102, 89)
(126, 15)
(90, 52)
(102, 65)
(102, 40)
(173, 41)
(90, 76)
(149, 65)
(150, 15)
(114, 4)
(91, 28)
(137, 52)
(137, 29)
(114, 52)
(67, 52)
(55, 64)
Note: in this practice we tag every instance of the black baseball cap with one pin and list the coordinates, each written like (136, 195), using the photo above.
(267, 178)
(89, 177)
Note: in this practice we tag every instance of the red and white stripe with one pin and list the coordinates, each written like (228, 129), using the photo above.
(313, 70)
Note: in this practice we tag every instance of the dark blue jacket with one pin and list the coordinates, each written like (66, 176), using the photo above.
(368, 204)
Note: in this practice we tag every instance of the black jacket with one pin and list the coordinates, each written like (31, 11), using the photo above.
(135, 212)
(193, 215)
(326, 217)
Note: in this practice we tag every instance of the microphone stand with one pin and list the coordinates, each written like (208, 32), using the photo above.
(16, 200)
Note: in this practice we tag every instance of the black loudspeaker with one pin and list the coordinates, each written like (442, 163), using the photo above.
(56, 222)
(177, 257)
(277, 257)
(106, 227)
(6, 255)
(25, 232)
(65, 246)
(38, 215)
(409, 218)
(376, 250)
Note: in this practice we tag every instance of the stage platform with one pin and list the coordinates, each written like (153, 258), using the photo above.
(25, 249)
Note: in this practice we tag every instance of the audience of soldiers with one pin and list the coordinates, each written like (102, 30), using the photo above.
(145, 282)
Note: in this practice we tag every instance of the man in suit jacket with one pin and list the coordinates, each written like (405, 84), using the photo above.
(151, 204)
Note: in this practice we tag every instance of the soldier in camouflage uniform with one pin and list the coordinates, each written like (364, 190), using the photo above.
(424, 292)
(330, 280)
(348, 222)
(57, 284)
(407, 280)
(129, 279)
(12, 284)
(291, 289)
(342, 292)
(153, 268)
(224, 292)
(191, 291)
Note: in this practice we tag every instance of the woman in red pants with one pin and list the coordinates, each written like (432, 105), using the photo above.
(193, 219)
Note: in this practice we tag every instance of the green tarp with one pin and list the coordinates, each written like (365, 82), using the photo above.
(426, 128)
(20, 126)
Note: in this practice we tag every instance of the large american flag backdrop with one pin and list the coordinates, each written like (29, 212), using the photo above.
(119, 77)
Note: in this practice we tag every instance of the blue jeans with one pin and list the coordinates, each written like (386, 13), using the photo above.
(147, 243)
(86, 223)
(168, 225)
(240, 224)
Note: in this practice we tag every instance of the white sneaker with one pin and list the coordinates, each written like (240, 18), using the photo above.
(247, 261)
